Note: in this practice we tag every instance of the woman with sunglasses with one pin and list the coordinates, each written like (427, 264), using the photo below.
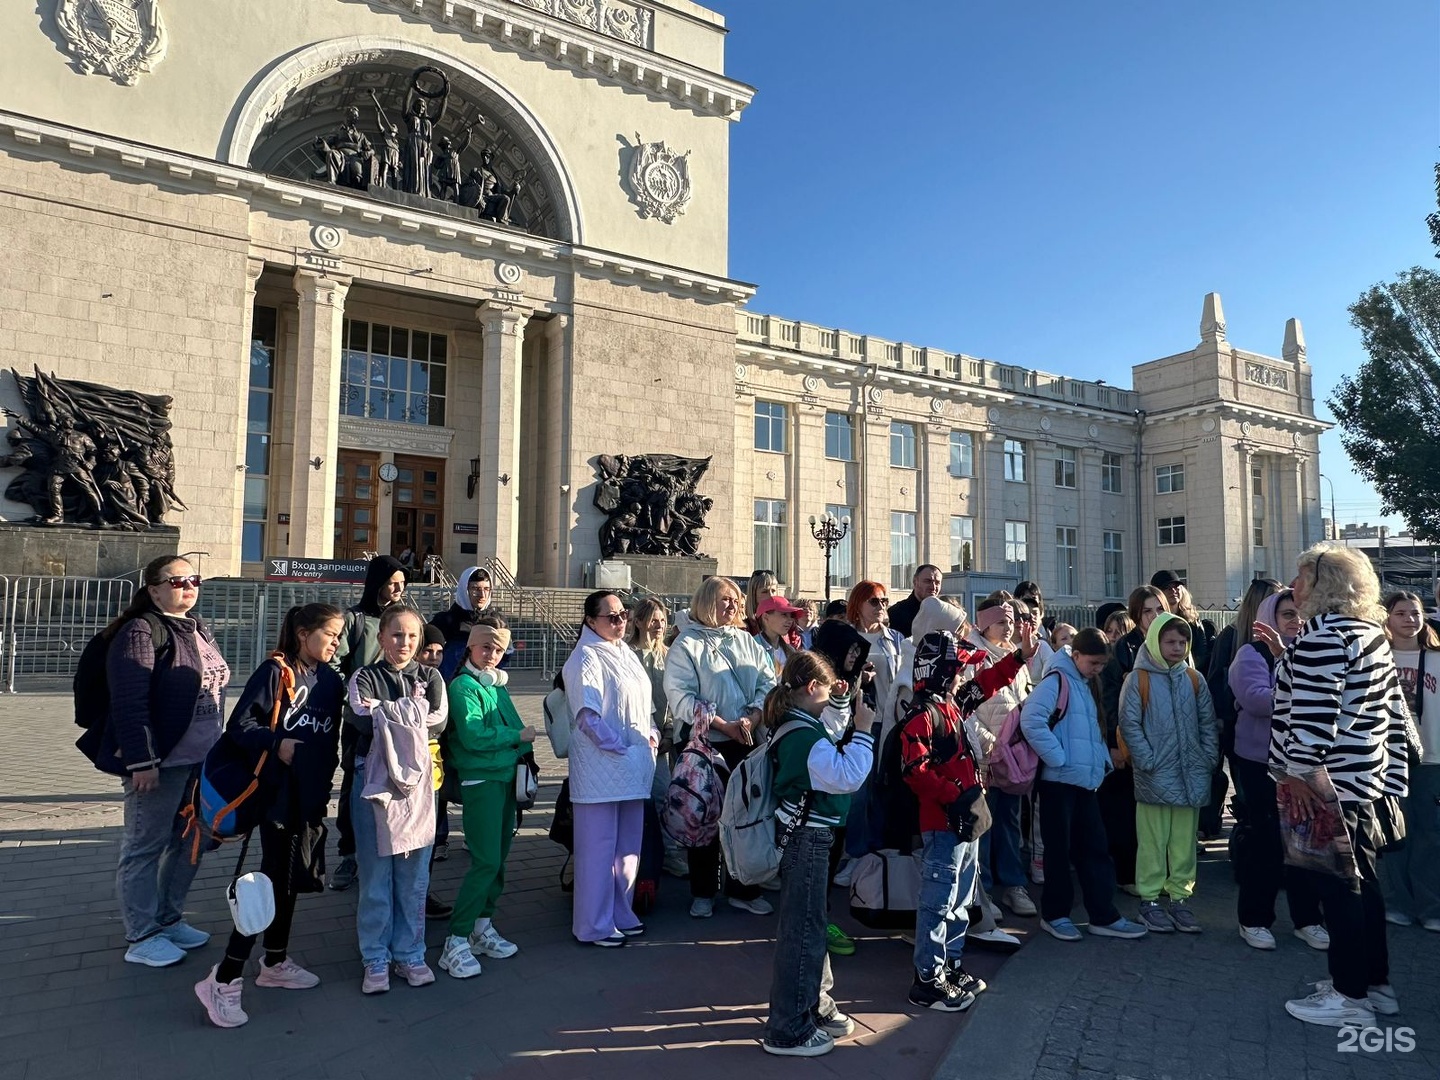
(612, 769)
(167, 690)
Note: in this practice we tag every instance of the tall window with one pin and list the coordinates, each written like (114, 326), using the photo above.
(1171, 531)
(1114, 564)
(1017, 550)
(393, 373)
(1169, 479)
(1067, 556)
(903, 557)
(962, 543)
(770, 536)
(902, 445)
(962, 453)
(842, 563)
(839, 436)
(1066, 467)
(1015, 460)
(770, 426)
(1110, 474)
(259, 421)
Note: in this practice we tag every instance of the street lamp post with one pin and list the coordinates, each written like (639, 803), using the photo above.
(828, 532)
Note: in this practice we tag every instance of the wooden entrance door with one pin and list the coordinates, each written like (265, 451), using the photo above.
(357, 497)
(419, 507)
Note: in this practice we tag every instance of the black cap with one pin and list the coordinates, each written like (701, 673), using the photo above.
(1163, 579)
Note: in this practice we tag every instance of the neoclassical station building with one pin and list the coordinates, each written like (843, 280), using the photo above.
(408, 268)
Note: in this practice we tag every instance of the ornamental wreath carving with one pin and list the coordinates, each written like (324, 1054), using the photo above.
(119, 38)
(659, 180)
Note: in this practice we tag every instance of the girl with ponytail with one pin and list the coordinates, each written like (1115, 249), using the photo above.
(299, 690)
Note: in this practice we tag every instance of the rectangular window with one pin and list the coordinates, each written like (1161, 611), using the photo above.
(1066, 467)
(1114, 557)
(962, 543)
(770, 536)
(903, 557)
(390, 373)
(1067, 556)
(1017, 550)
(1110, 473)
(839, 436)
(1169, 479)
(962, 453)
(902, 445)
(770, 426)
(259, 417)
(1015, 460)
(1171, 531)
(842, 563)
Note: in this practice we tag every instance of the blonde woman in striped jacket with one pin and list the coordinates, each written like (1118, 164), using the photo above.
(1339, 706)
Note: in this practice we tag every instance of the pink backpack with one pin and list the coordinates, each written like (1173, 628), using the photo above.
(1013, 763)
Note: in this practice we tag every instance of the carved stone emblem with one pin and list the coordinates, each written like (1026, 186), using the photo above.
(119, 38)
(659, 180)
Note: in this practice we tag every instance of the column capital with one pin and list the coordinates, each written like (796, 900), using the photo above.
(318, 287)
(503, 316)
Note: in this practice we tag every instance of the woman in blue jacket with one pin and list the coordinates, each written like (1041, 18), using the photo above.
(1074, 760)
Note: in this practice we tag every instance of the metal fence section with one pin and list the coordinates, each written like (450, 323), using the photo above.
(48, 620)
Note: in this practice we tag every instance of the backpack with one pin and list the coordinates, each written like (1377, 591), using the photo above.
(1013, 763)
(91, 686)
(558, 722)
(747, 814)
(218, 806)
(696, 793)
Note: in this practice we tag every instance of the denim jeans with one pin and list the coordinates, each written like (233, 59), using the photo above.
(390, 916)
(947, 878)
(155, 871)
(1001, 866)
(800, 987)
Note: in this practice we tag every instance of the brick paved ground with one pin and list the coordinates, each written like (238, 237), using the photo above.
(687, 1000)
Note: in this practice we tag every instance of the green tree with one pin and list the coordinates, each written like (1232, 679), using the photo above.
(1389, 411)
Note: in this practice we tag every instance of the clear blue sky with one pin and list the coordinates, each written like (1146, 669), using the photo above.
(1058, 184)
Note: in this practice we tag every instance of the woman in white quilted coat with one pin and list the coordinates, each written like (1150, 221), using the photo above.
(612, 767)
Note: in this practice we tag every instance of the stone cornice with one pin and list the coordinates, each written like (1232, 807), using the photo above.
(524, 30)
(438, 231)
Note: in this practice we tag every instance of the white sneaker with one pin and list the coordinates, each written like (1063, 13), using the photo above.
(1316, 936)
(701, 908)
(846, 874)
(1381, 998)
(457, 959)
(1018, 901)
(1330, 1008)
(489, 943)
(1258, 937)
(758, 906)
(221, 1000)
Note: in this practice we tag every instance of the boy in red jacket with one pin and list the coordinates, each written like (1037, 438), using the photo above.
(940, 768)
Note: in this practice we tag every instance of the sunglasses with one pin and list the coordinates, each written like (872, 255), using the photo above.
(189, 581)
(615, 617)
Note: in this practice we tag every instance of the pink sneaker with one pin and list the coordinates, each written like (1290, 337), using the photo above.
(286, 975)
(221, 1000)
(416, 974)
(377, 979)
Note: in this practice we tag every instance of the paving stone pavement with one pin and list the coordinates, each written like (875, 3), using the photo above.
(688, 999)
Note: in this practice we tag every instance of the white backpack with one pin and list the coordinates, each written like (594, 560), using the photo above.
(747, 817)
(558, 722)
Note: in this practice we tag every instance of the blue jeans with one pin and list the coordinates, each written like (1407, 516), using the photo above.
(1000, 845)
(155, 870)
(947, 877)
(800, 987)
(390, 916)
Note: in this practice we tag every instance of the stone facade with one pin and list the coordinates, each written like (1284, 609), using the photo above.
(168, 236)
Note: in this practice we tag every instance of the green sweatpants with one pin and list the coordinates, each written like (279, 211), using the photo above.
(1166, 834)
(488, 813)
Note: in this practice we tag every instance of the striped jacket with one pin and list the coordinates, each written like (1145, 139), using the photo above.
(1338, 703)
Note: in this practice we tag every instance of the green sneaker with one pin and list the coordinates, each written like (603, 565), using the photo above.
(839, 942)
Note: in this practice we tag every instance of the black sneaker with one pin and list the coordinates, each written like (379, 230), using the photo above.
(961, 979)
(938, 993)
